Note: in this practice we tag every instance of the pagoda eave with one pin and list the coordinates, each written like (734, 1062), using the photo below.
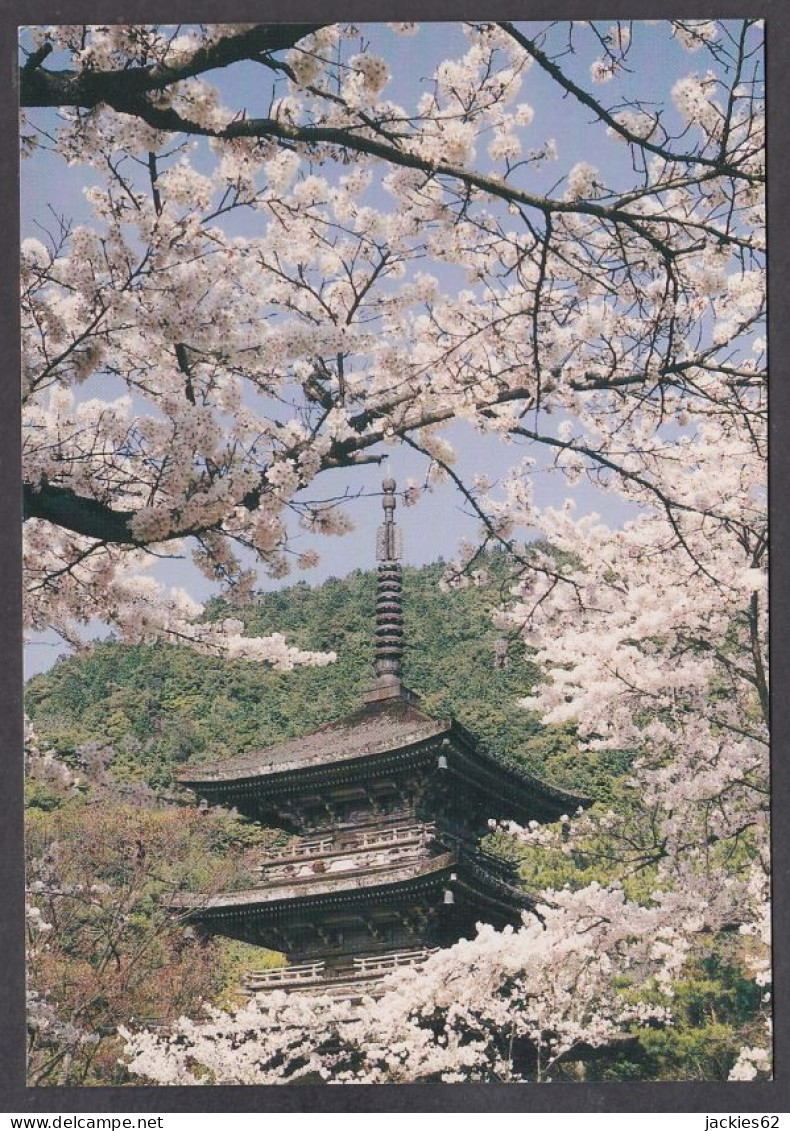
(510, 792)
(515, 792)
(288, 780)
(451, 870)
(315, 889)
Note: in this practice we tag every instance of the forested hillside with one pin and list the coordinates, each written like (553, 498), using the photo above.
(155, 706)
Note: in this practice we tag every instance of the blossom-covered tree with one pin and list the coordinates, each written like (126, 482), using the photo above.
(418, 261)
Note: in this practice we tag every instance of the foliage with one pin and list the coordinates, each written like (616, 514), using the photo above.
(716, 1007)
(103, 947)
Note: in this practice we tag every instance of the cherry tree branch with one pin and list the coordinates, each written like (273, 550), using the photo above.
(719, 164)
(88, 88)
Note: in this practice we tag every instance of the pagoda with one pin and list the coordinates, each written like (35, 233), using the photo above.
(386, 809)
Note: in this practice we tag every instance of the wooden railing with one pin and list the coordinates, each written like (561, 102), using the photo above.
(397, 835)
(309, 848)
(314, 974)
(384, 963)
(369, 840)
(279, 975)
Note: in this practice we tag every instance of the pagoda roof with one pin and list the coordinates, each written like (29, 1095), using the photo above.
(377, 730)
(366, 885)
(313, 888)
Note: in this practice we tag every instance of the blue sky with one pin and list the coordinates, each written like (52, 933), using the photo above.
(434, 527)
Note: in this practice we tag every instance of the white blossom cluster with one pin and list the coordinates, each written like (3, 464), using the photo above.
(548, 986)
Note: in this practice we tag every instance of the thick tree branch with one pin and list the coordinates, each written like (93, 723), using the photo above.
(39, 87)
(125, 92)
(89, 517)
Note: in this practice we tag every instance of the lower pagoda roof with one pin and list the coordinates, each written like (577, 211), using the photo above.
(367, 885)
(357, 744)
(311, 889)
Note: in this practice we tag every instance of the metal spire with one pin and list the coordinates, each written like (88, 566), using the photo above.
(389, 607)
(388, 658)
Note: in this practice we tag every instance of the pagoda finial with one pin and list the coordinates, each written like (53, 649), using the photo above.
(389, 609)
(388, 541)
(388, 652)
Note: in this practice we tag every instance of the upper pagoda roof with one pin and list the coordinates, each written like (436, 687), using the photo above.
(375, 729)
(378, 729)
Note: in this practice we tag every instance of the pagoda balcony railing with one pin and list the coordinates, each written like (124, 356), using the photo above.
(402, 815)
(303, 973)
(311, 975)
(315, 847)
(398, 834)
(410, 837)
(384, 963)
